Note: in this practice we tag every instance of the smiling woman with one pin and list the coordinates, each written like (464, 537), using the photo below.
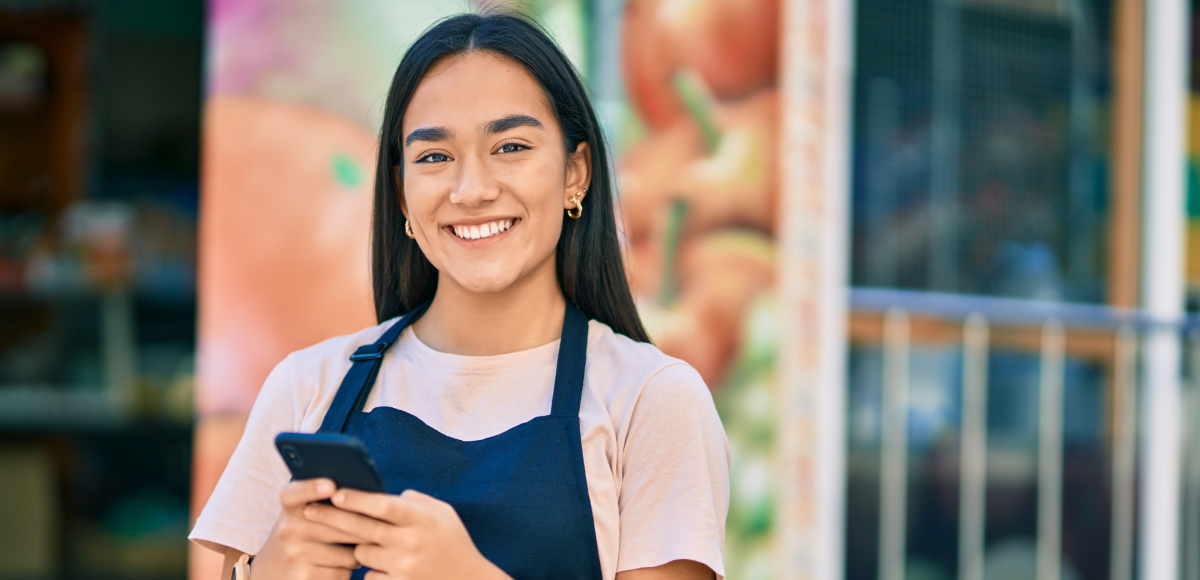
(523, 425)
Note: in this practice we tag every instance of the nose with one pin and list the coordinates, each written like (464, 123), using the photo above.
(476, 185)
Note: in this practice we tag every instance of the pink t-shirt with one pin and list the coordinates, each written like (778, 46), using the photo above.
(654, 450)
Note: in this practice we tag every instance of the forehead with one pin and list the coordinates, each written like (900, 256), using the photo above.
(466, 91)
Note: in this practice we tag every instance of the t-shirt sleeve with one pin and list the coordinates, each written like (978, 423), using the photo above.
(675, 475)
(244, 506)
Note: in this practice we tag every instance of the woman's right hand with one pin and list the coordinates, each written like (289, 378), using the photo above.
(299, 549)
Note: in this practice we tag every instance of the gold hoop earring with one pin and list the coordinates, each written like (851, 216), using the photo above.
(577, 211)
(408, 230)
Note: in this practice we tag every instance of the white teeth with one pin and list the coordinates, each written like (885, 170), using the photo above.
(484, 230)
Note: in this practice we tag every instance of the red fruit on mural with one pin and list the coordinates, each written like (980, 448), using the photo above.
(648, 63)
(732, 44)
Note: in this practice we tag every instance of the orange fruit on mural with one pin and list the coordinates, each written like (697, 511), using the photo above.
(720, 275)
(284, 224)
(734, 185)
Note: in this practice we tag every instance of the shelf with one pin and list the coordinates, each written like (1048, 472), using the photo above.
(42, 406)
(138, 294)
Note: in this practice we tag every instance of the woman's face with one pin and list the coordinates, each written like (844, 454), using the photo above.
(486, 179)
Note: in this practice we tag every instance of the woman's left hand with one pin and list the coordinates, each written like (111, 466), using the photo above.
(414, 536)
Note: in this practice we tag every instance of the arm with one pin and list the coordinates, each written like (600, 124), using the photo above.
(231, 558)
(675, 481)
(677, 570)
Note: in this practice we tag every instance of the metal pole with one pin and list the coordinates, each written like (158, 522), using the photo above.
(893, 455)
(972, 509)
(119, 351)
(1050, 454)
(1162, 284)
(1124, 447)
(815, 86)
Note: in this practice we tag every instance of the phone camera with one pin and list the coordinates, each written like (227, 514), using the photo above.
(292, 455)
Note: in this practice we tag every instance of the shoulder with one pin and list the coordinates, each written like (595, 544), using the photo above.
(307, 378)
(334, 351)
(608, 350)
(639, 373)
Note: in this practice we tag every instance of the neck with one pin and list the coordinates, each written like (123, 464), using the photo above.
(525, 315)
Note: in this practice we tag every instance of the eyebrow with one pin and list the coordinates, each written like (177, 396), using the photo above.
(436, 134)
(433, 134)
(511, 122)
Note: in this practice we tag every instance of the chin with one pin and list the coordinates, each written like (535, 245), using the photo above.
(486, 283)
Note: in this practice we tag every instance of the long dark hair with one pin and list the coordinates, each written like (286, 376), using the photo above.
(589, 267)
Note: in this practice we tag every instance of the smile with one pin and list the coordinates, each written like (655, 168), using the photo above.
(482, 231)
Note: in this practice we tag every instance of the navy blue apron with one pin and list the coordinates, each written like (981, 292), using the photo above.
(522, 494)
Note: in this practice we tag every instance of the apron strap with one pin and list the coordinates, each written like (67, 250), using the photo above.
(572, 359)
(352, 394)
(358, 382)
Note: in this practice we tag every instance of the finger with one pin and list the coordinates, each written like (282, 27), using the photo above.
(322, 573)
(365, 528)
(420, 498)
(327, 555)
(424, 504)
(376, 575)
(310, 531)
(397, 510)
(372, 556)
(306, 491)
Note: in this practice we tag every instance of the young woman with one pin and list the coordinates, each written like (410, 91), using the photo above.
(509, 392)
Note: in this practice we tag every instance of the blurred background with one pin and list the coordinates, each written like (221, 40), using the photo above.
(984, 213)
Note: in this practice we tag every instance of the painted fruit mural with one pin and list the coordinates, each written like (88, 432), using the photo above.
(698, 196)
(295, 94)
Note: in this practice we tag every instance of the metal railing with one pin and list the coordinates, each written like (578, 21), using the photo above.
(977, 316)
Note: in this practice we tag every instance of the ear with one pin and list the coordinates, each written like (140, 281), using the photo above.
(579, 174)
(399, 189)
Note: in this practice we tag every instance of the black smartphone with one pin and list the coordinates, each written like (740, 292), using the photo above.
(342, 458)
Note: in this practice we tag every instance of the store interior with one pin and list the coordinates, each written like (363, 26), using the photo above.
(99, 159)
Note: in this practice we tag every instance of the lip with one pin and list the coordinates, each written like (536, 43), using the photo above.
(479, 220)
(448, 229)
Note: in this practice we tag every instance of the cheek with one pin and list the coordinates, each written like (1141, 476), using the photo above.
(543, 202)
(421, 200)
(539, 186)
(420, 197)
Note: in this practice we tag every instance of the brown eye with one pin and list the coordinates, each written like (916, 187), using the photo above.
(512, 148)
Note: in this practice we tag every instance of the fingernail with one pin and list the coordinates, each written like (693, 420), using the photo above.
(310, 512)
(339, 497)
(324, 486)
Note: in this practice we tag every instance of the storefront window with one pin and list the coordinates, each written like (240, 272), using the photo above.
(981, 147)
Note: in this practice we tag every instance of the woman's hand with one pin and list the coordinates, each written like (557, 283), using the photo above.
(410, 536)
(302, 549)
